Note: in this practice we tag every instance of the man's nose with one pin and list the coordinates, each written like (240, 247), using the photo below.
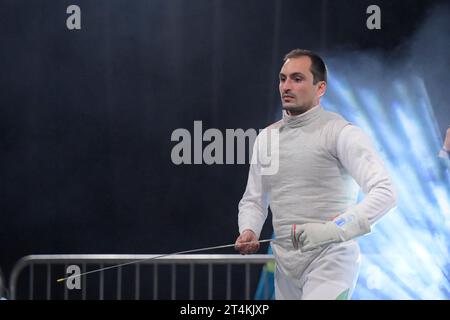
(286, 86)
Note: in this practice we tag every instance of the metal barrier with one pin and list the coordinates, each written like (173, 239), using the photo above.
(2, 286)
(94, 285)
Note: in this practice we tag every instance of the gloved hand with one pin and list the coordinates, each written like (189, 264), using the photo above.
(347, 226)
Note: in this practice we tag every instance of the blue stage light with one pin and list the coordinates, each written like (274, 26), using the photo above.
(407, 254)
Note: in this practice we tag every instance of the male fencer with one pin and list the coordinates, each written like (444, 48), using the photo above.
(322, 158)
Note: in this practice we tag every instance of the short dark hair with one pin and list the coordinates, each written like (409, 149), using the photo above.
(318, 67)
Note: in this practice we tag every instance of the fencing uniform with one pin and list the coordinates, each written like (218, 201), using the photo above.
(321, 159)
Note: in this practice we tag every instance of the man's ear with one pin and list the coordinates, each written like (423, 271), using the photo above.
(321, 88)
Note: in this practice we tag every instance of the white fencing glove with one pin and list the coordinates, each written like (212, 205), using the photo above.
(347, 226)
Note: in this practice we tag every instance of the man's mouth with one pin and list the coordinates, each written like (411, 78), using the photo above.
(288, 98)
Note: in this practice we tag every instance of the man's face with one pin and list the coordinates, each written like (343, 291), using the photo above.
(297, 91)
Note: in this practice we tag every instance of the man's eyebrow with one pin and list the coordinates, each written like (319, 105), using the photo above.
(292, 74)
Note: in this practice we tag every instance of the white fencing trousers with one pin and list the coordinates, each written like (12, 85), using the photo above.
(330, 276)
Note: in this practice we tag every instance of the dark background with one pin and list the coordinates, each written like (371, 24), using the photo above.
(86, 116)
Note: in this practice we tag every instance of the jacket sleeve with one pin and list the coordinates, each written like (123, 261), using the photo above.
(357, 154)
(254, 203)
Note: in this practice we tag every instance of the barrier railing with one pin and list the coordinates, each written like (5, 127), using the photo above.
(2, 286)
(213, 276)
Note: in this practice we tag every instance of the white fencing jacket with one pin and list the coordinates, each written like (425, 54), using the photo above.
(320, 159)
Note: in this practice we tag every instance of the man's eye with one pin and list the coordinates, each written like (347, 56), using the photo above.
(282, 79)
(298, 79)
